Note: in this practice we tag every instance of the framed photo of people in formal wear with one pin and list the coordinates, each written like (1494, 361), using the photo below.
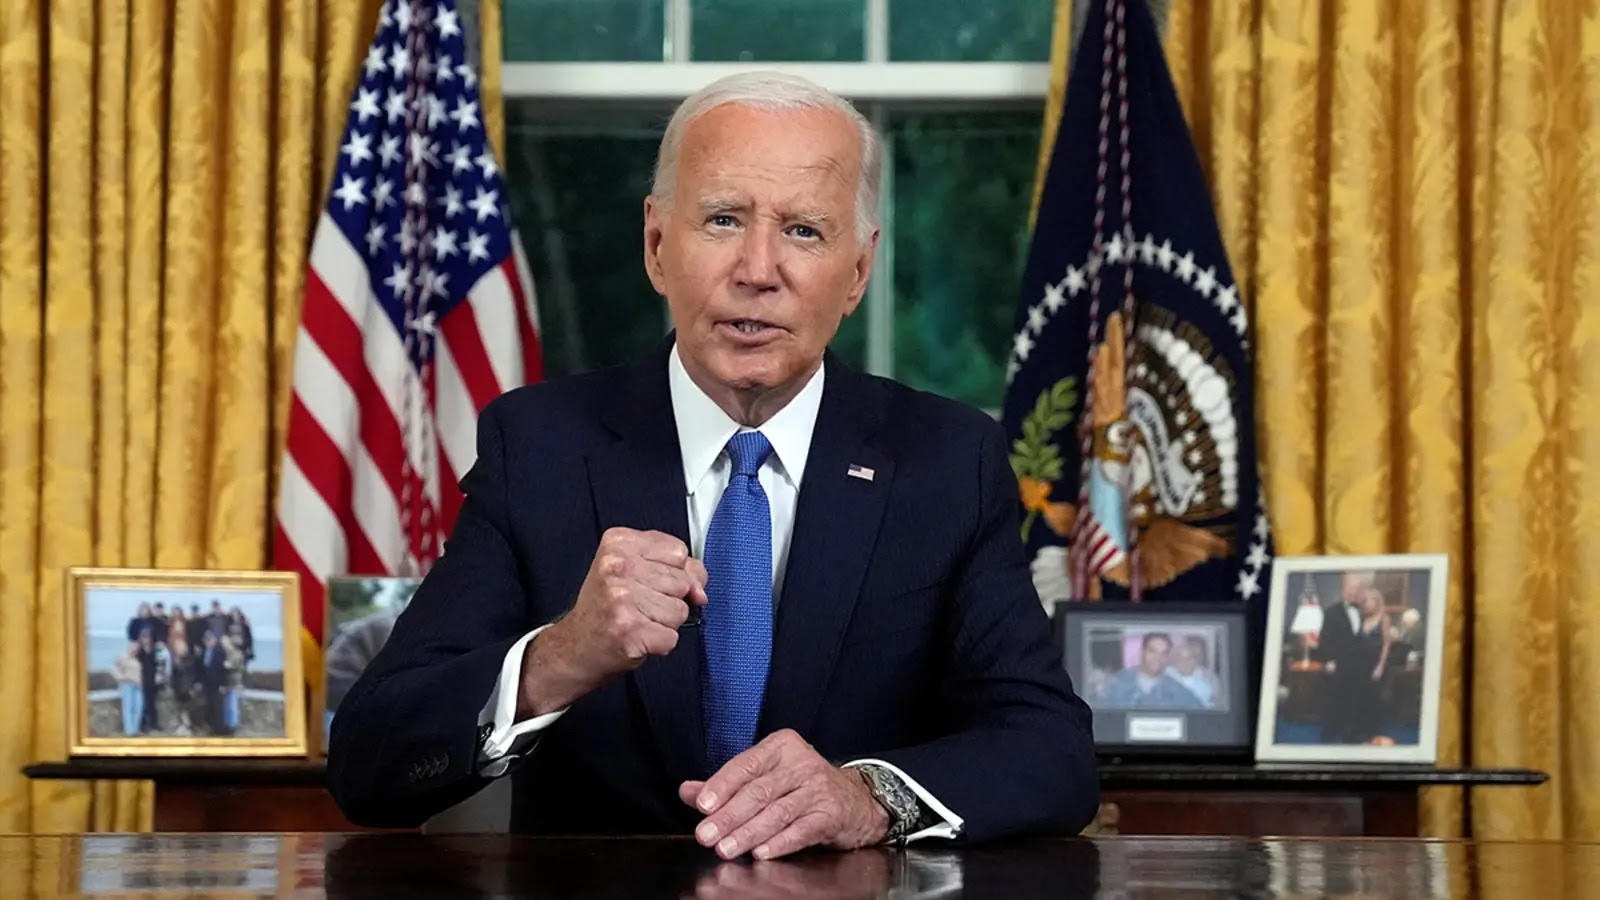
(362, 610)
(1353, 657)
(1160, 678)
(164, 662)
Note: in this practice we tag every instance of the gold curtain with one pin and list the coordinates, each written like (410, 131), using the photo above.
(161, 165)
(1410, 194)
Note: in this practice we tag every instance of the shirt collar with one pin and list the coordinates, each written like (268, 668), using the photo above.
(704, 429)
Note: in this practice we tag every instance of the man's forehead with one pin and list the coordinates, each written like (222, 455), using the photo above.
(819, 142)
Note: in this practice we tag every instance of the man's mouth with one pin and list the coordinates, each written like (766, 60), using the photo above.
(749, 326)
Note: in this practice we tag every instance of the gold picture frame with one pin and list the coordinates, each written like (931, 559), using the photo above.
(112, 638)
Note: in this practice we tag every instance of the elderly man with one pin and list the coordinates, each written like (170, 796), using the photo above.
(738, 589)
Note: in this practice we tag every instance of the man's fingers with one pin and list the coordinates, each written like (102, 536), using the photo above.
(662, 609)
(806, 831)
(689, 791)
(696, 570)
(660, 577)
(769, 819)
(758, 801)
(658, 546)
(740, 771)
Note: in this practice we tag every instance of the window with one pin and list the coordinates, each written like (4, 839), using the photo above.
(954, 87)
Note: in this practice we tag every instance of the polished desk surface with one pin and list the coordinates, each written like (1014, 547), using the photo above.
(413, 865)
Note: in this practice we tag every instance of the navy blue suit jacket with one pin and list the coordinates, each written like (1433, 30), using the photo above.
(908, 629)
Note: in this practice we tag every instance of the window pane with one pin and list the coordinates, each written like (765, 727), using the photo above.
(583, 30)
(779, 30)
(577, 195)
(964, 31)
(962, 186)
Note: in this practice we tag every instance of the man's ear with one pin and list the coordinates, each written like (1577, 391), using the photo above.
(863, 274)
(654, 218)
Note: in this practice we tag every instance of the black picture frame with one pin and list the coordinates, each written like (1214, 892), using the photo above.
(1171, 718)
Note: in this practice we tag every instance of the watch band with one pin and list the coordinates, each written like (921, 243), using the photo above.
(898, 800)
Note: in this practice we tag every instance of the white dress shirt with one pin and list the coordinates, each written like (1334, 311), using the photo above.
(703, 434)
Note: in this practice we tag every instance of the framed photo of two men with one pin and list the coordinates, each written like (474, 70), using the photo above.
(183, 663)
(1161, 679)
(1353, 659)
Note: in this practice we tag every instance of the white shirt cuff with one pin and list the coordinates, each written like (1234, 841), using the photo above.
(949, 828)
(509, 739)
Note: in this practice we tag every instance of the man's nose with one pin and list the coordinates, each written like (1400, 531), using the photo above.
(758, 259)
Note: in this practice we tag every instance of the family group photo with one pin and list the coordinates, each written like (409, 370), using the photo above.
(183, 663)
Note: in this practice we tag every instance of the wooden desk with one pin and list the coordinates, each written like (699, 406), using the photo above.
(410, 865)
(1171, 798)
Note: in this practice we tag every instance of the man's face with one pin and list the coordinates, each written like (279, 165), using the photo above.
(757, 254)
(1154, 659)
(1184, 659)
(1352, 585)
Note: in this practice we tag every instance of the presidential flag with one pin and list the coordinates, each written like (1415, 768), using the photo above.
(418, 311)
(1129, 386)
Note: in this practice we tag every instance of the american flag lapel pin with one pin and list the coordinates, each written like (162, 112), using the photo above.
(861, 472)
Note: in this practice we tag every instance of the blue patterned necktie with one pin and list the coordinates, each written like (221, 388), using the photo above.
(736, 626)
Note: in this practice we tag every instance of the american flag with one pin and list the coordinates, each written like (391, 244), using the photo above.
(418, 311)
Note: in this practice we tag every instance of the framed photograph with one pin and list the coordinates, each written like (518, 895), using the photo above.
(1352, 662)
(1160, 678)
(361, 613)
(184, 663)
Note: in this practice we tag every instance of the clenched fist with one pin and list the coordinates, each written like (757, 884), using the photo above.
(636, 596)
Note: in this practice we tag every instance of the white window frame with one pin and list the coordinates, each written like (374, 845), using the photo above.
(876, 85)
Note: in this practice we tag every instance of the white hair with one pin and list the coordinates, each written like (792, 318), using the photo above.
(772, 91)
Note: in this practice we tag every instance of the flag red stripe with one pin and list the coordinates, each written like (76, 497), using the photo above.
(532, 356)
(460, 332)
(329, 474)
(312, 591)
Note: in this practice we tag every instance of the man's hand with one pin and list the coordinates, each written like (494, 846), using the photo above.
(635, 598)
(780, 797)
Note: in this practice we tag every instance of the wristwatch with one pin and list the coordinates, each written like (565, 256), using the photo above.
(898, 800)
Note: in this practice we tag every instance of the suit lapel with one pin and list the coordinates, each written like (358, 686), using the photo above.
(836, 527)
(637, 482)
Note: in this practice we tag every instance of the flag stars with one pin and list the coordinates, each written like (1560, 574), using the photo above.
(1012, 369)
(451, 201)
(1240, 323)
(389, 149)
(1022, 345)
(1116, 250)
(1248, 585)
(358, 148)
(1263, 529)
(468, 77)
(1053, 297)
(1206, 282)
(403, 15)
(477, 246)
(1147, 250)
(408, 236)
(460, 158)
(352, 191)
(375, 239)
(1076, 282)
(485, 161)
(1258, 555)
(400, 280)
(447, 22)
(447, 69)
(1227, 298)
(485, 204)
(1165, 256)
(400, 59)
(366, 105)
(1186, 268)
(465, 114)
(436, 112)
(375, 64)
(383, 194)
(444, 243)
(422, 150)
(394, 107)
(434, 282)
(1036, 319)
